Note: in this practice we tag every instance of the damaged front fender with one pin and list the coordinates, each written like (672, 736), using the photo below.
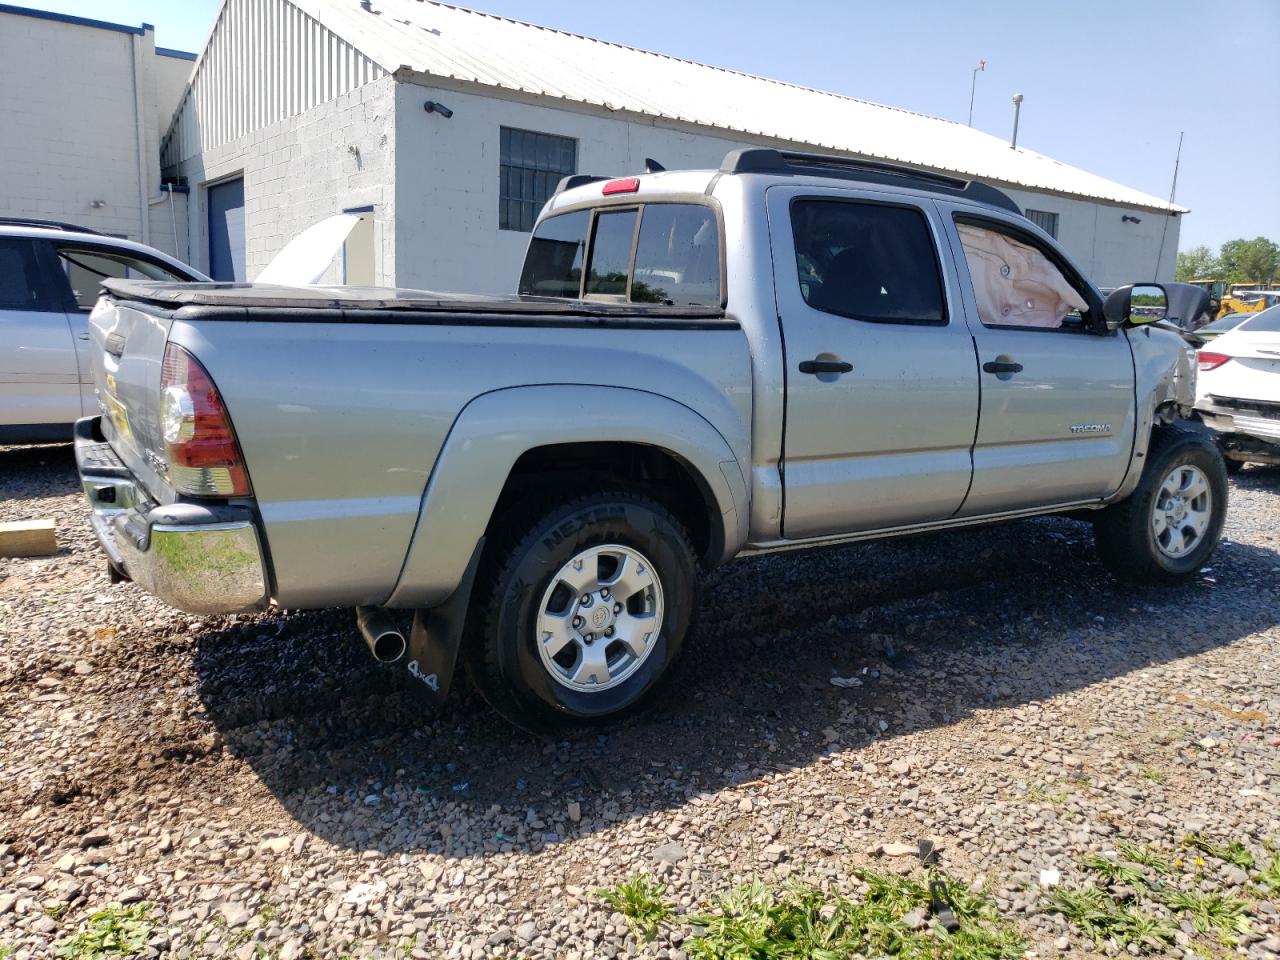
(1164, 367)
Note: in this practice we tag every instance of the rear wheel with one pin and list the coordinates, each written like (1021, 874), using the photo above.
(582, 607)
(1169, 526)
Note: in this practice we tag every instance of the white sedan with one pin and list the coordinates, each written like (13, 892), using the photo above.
(1238, 390)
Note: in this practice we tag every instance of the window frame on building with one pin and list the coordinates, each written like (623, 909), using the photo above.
(537, 180)
(1046, 220)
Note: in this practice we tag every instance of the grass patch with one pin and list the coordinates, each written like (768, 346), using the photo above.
(1234, 852)
(114, 931)
(1113, 870)
(801, 922)
(639, 899)
(1210, 913)
(1268, 878)
(1142, 854)
(1153, 775)
(1096, 914)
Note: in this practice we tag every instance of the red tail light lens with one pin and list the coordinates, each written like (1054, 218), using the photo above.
(200, 446)
(1210, 360)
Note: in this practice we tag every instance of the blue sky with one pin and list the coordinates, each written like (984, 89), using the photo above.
(1108, 84)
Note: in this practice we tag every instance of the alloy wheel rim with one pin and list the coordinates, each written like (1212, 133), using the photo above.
(599, 618)
(1181, 511)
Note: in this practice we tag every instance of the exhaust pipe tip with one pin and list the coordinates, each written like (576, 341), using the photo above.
(381, 635)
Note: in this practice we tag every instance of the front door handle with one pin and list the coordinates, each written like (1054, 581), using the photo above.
(1001, 366)
(825, 366)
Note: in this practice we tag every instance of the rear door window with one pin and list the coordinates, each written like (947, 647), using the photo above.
(22, 287)
(677, 256)
(86, 268)
(553, 265)
(867, 261)
(611, 253)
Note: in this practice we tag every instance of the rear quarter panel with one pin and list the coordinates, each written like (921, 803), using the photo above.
(341, 423)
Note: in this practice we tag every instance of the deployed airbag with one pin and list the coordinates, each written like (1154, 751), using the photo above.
(1014, 283)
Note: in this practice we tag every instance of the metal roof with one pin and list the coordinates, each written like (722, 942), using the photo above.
(444, 41)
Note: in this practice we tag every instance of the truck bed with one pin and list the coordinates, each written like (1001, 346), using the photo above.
(245, 301)
(342, 401)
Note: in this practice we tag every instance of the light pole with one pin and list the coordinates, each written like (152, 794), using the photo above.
(980, 68)
(1017, 108)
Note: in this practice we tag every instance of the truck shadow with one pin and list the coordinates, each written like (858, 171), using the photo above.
(991, 618)
(33, 472)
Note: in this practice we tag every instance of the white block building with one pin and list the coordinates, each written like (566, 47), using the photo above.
(448, 129)
(85, 105)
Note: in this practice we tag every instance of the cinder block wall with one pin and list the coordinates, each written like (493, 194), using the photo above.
(297, 171)
(84, 108)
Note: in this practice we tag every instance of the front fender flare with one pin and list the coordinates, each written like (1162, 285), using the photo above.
(495, 429)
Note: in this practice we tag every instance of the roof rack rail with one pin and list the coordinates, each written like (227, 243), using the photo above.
(768, 160)
(46, 225)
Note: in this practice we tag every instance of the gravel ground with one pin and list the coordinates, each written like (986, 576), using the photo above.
(269, 791)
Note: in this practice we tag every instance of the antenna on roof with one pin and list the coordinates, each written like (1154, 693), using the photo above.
(652, 166)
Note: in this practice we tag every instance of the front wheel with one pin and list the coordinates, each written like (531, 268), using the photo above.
(1169, 526)
(582, 607)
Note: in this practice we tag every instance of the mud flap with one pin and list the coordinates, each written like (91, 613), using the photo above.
(436, 636)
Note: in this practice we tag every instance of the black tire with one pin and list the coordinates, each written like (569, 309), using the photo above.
(527, 548)
(1123, 532)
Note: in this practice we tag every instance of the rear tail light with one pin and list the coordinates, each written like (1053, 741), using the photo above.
(1210, 360)
(200, 445)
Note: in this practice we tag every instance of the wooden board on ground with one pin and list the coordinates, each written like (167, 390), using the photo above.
(28, 538)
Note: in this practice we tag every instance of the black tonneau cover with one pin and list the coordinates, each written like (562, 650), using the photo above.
(248, 301)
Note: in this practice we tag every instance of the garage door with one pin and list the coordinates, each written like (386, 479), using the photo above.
(226, 230)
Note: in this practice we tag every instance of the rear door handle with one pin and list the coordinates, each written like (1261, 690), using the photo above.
(114, 345)
(1001, 366)
(825, 366)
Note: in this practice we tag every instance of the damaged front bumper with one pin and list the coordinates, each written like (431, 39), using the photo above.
(200, 558)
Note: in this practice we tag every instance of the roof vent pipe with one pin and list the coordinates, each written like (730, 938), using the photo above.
(1017, 108)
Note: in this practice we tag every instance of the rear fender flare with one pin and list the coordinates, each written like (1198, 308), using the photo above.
(495, 429)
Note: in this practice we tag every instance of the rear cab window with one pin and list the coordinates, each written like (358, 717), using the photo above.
(663, 253)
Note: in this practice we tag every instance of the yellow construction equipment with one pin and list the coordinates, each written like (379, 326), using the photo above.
(1226, 298)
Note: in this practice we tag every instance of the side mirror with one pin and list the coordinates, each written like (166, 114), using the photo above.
(1135, 304)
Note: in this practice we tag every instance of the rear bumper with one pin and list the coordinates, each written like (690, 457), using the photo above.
(196, 557)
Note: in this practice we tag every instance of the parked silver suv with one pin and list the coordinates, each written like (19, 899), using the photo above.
(50, 276)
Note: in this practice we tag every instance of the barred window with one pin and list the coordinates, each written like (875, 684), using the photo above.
(531, 164)
(1046, 221)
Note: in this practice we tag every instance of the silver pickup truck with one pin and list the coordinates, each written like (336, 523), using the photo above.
(790, 351)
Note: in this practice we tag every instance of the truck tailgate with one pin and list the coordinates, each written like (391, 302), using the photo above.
(128, 353)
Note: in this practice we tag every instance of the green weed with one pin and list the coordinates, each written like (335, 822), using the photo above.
(801, 922)
(1113, 870)
(1096, 914)
(1142, 854)
(639, 899)
(113, 931)
(1234, 852)
(1210, 913)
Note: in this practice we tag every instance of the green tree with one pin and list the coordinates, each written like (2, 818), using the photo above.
(1250, 261)
(1198, 263)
